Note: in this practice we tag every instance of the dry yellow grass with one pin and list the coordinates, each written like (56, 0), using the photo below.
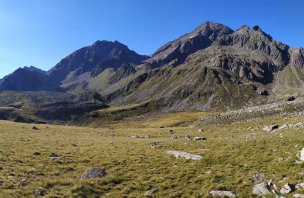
(232, 154)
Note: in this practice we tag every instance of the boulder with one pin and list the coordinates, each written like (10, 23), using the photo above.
(302, 155)
(94, 173)
(185, 155)
(270, 128)
(287, 188)
(150, 193)
(261, 189)
(222, 193)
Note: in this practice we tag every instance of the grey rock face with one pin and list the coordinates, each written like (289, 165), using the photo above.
(94, 173)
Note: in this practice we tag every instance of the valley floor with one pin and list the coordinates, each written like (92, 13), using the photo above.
(232, 154)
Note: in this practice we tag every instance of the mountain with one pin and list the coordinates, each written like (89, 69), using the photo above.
(28, 79)
(92, 60)
(211, 67)
(214, 66)
(176, 51)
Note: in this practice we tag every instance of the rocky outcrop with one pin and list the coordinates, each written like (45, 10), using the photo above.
(94, 173)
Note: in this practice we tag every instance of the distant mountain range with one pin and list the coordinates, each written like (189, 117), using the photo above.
(211, 67)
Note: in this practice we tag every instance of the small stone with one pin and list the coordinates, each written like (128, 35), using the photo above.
(140, 137)
(199, 138)
(173, 137)
(200, 130)
(287, 188)
(151, 192)
(35, 128)
(39, 192)
(185, 155)
(222, 193)
(291, 98)
(171, 131)
(261, 189)
(156, 144)
(54, 157)
(22, 183)
(94, 173)
(298, 196)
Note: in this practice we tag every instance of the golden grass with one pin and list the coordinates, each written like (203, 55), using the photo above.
(232, 154)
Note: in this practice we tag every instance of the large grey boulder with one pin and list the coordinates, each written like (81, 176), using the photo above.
(222, 193)
(185, 155)
(261, 189)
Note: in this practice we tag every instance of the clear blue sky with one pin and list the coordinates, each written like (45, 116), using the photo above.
(42, 32)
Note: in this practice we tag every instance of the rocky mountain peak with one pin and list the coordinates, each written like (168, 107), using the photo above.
(94, 59)
(176, 51)
(27, 79)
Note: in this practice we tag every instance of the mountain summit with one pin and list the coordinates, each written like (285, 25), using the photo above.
(94, 59)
